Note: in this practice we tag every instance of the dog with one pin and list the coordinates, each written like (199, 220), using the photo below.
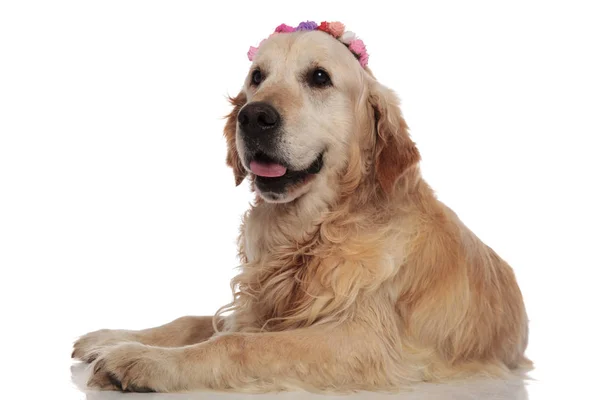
(354, 276)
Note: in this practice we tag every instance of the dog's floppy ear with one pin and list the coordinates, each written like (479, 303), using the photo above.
(233, 159)
(395, 152)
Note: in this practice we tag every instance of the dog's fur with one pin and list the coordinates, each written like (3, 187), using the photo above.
(357, 279)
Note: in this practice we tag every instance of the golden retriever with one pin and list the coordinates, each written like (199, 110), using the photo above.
(354, 276)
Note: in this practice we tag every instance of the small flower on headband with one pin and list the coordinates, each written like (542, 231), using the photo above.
(252, 52)
(347, 37)
(357, 46)
(360, 50)
(335, 29)
(363, 59)
(307, 26)
(283, 28)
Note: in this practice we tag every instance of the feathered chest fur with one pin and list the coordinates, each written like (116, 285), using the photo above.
(293, 277)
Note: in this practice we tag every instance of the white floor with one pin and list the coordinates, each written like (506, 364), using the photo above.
(500, 390)
(50, 374)
(73, 387)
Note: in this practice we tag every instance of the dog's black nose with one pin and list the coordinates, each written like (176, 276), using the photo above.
(259, 118)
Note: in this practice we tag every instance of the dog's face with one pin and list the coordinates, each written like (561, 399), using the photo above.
(305, 102)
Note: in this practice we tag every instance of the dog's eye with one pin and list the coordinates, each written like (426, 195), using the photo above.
(257, 77)
(319, 78)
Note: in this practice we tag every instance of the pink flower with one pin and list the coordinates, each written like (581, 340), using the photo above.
(357, 47)
(336, 29)
(253, 50)
(252, 53)
(283, 28)
(363, 60)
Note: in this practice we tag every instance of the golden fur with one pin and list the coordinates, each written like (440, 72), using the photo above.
(360, 280)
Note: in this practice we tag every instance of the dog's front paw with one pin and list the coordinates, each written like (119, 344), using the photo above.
(134, 367)
(88, 346)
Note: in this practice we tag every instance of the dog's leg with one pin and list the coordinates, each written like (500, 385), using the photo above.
(181, 332)
(321, 359)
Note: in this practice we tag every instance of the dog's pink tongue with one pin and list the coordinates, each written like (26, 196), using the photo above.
(267, 170)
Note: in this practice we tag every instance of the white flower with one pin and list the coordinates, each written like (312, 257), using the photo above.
(347, 37)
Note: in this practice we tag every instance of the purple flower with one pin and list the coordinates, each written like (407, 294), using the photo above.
(307, 26)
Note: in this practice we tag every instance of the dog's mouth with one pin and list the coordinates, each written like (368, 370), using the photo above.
(275, 176)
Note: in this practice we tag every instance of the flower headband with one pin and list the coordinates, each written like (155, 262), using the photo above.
(335, 29)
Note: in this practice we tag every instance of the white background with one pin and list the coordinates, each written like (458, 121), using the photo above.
(117, 209)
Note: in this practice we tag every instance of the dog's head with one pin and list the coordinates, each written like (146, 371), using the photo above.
(309, 116)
